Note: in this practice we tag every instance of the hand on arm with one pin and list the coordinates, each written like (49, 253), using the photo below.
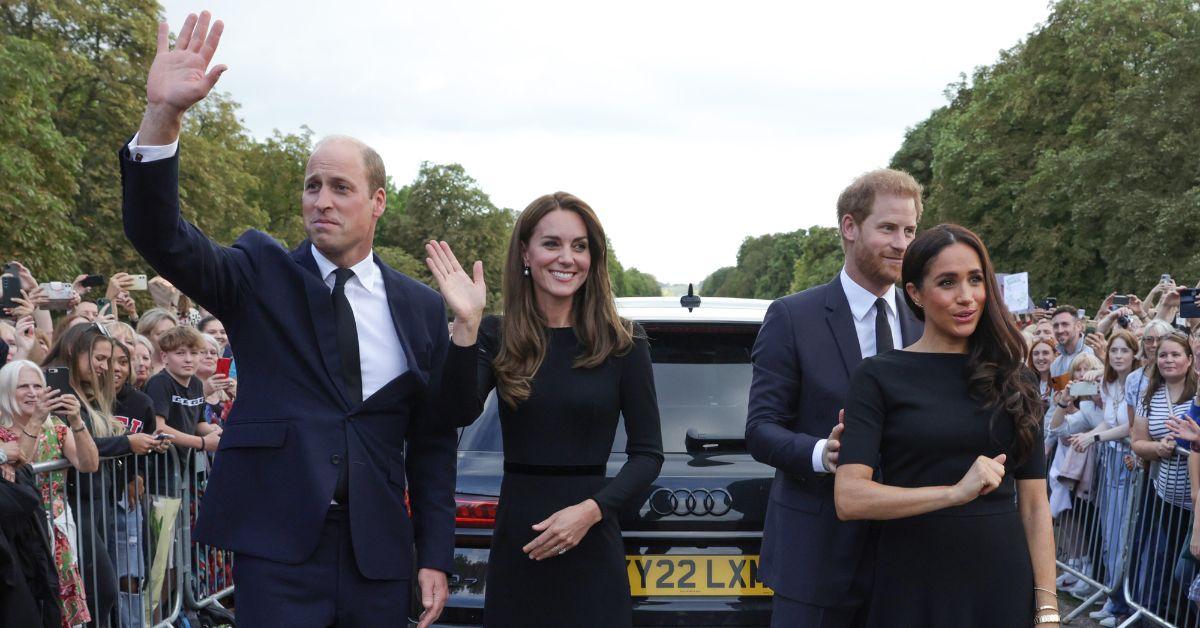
(465, 295)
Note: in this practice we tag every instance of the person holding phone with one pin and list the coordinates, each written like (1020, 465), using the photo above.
(48, 425)
(952, 462)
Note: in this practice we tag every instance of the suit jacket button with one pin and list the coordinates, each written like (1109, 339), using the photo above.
(335, 459)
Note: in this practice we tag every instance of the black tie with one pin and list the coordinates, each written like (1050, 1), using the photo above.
(347, 340)
(883, 329)
(347, 335)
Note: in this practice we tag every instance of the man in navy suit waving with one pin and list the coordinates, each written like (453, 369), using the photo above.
(335, 474)
(809, 344)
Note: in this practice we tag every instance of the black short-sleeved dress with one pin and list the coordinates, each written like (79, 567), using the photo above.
(909, 416)
(556, 448)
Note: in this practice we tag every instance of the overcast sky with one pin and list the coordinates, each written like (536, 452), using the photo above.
(687, 126)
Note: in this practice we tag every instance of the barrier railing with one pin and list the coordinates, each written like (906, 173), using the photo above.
(122, 537)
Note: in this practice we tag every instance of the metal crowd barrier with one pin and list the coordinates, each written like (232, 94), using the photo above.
(1126, 538)
(126, 532)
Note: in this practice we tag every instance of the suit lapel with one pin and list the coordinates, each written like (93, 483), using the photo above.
(403, 315)
(320, 306)
(911, 327)
(841, 324)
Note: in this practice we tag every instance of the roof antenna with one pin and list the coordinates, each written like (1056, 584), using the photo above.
(690, 300)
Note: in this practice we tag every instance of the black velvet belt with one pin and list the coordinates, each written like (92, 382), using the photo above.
(555, 469)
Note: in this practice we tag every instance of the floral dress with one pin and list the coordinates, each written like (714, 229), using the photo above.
(53, 487)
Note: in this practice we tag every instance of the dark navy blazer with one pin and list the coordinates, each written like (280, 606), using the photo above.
(805, 353)
(293, 423)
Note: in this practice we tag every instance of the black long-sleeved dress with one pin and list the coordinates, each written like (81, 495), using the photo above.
(556, 448)
(967, 565)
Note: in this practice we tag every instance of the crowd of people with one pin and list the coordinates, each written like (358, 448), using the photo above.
(1119, 390)
(123, 385)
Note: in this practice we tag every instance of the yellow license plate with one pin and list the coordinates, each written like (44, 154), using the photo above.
(694, 575)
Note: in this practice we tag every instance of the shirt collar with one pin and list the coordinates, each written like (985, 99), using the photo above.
(365, 271)
(862, 302)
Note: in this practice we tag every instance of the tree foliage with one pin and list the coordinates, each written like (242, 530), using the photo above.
(72, 89)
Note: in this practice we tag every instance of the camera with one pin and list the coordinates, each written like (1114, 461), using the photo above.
(59, 293)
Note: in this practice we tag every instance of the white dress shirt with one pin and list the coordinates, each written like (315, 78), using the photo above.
(862, 310)
(381, 354)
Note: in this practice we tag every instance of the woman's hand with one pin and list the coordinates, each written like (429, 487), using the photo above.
(142, 444)
(14, 453)
(982, 478)
(465, 295)
(1184, 428)
(217, 383)
(1081, 442)
(563, 530)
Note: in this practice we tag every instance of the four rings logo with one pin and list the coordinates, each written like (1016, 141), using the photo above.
(698, 501)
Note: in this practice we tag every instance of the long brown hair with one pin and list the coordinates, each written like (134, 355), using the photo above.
(95, 393)
(996, 351)
(1110, 374)
(1156, 380)
(601, 332)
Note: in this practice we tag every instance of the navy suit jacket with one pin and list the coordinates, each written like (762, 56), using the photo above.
(293, 423)
(805, 353)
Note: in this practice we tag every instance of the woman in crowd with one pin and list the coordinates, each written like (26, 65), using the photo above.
(213, 327)
(28, 409)
(565, 367)
(960, 450)
(219, 390)
(87, 351)
(1041, 355)
(143, 361)
(1169, 393)
(153, 324)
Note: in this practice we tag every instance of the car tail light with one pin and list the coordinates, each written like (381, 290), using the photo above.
(475, 512)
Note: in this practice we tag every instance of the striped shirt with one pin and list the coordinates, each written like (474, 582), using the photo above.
(1171, 480)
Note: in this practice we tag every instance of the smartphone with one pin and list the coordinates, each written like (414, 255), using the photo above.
(1084, 389)
(1188, 308)
(1121, 300)
(223, 365)
(10, 288)
(59, 293)
(139, 282)
(59, 377)
(93, 281)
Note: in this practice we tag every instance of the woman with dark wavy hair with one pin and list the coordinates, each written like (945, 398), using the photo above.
(952, 426)
(566, 367)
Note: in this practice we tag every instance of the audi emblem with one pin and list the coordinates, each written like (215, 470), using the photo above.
(698, 501)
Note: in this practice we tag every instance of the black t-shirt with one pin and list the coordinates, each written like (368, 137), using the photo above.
(135, 409)
(182, 406)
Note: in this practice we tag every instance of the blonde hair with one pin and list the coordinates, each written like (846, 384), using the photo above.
(9, 376)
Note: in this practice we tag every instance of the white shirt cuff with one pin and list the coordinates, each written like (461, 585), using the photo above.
(818, 456)
(144, 154)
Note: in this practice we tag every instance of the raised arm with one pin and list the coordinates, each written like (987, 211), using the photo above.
(178, 78)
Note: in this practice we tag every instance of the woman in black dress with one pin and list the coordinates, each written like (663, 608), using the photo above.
(952, 425)
(565, 368)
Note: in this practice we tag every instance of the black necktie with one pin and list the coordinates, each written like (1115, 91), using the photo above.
(347, 335)
(883, 329)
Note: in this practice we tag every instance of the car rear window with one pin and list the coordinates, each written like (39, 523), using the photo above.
(702, 375)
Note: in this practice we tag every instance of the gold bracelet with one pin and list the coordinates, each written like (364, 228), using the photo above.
(1053, 593)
